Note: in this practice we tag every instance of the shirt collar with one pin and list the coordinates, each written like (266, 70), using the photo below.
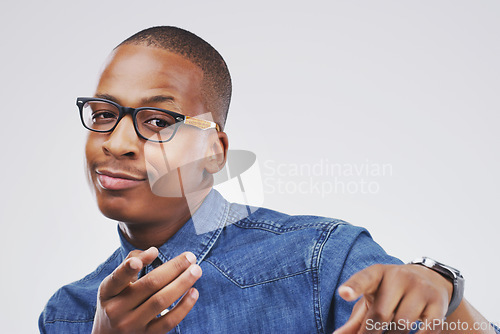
(197, 235)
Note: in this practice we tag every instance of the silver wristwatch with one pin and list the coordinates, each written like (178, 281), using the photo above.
(452, 274)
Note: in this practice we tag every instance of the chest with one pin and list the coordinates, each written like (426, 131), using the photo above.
(231, 303)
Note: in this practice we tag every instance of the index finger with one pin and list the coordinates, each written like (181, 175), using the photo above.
(363, 282)
(160, 277)
(126, 273)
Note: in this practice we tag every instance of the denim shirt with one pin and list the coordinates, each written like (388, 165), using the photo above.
(263, 272)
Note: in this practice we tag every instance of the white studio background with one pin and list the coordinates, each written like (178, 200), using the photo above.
(409, 85)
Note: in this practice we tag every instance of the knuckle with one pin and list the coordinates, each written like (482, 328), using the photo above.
(404, 270)
(169, 323)
(111, 310)
(159, 303)
(425, 287)
(381, 315)
(365, 275)
(113, 276)
(404, 319)
(440, 307)
(133, 253)
(378, 267)
(418, 283)
(101, 290)
(122, 326)
(435, 318)
(405, 273)
(435, 328)
(119, 327)
(151, 282)
(179, 265)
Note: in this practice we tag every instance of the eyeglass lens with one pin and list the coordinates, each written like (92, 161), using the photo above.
(151, 124)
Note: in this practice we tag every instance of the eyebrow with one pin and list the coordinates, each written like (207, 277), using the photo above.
(157, 99)
(145, 101)
(106, 97)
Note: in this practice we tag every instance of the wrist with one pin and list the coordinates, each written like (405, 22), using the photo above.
(452, 275)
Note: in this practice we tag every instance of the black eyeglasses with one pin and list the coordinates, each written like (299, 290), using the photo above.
(154, 124)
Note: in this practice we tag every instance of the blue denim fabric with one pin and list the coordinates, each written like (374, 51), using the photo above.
(266, 272)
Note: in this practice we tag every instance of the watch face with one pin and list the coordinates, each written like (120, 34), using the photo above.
(430, 262)
(455, 271)
(441, 268)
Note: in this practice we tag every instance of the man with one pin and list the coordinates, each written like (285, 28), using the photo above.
(156, 138)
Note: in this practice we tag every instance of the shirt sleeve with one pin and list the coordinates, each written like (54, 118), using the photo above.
(348, 250)
(41, 323)
(363, 253)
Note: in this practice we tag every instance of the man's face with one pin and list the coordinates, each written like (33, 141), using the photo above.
(122, 167)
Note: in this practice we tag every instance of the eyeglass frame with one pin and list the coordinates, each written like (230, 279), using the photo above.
(122, 111)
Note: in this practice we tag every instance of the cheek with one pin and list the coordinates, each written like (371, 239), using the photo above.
(92, 149)
(93, 146)
(174, 163)
(182, 152)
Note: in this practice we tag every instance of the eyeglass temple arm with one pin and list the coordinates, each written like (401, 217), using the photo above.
(201, 123)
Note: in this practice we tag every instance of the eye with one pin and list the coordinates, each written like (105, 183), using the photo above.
(103, 116)
(160, 123)
(154, 120)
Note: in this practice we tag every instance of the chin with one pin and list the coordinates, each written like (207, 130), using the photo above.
(119, 209)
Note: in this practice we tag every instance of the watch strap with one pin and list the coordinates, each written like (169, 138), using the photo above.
(458, 294)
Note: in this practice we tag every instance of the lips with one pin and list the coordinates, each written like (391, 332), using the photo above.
(111, 180)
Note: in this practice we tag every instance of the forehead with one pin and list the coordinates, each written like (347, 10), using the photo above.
(134, 73)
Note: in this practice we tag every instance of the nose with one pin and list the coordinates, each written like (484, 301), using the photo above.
(123, 142)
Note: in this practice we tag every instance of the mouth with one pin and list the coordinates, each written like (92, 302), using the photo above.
(112, 180)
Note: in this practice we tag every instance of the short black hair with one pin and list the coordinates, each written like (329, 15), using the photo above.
(216, 84)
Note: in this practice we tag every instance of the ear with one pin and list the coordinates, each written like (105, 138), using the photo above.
(217, 152)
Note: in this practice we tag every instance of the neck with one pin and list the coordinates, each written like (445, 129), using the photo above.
(143, 236)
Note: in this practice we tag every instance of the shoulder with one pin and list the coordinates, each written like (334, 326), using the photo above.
(266, 245)
(76, 302)
(337, 237)
(278, 222)
(310, 229)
